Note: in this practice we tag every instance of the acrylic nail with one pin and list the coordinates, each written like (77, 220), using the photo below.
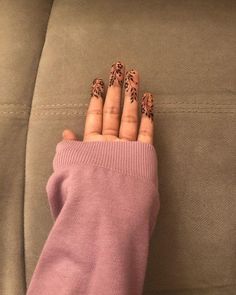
(116, 74)
(97, 88)
(131, 85)
(147, 106)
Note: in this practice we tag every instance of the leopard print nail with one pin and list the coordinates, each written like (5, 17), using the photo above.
(131, 85)
(116, 74)
(147, 105)
(97, 88)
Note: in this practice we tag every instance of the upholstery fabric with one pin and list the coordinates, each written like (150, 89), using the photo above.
(185, 54)
(23, 26)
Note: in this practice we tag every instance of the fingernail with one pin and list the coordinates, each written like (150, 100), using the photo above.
(97, 88)
(65, 132)
(116, 74)
(131, 84)
(147, 105)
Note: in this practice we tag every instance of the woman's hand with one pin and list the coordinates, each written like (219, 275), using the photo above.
(103, 121)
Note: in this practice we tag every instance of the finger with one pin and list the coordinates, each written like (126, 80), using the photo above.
(146, 128)
(112, 105)
(129, 119)
(93, 121)
(67, 134)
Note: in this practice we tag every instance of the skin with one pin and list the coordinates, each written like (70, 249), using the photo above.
(105, 121)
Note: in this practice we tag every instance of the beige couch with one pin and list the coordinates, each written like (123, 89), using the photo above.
(185, 52)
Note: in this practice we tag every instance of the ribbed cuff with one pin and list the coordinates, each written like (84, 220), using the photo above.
(129, 157)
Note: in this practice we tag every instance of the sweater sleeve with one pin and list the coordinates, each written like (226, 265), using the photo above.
(104, 199)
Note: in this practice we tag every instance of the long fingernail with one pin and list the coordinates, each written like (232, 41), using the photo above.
(116, 74)
(131, 84)
(97, 88)
(147, 105)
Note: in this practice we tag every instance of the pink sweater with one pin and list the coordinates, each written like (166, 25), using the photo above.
(104, 199)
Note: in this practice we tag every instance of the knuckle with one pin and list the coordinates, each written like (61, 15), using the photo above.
(109, 131)
(111, 110)
(126, 138)
(129, 119)
(145, 132)
(94, 112)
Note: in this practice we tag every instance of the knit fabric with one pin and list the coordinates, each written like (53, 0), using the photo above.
(104, 199)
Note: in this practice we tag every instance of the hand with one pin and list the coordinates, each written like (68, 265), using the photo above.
(103, 122)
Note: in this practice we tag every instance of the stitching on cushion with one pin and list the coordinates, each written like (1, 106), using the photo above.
(159, 111)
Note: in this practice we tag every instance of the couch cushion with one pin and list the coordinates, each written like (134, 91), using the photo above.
(184, 52)
(22, 30)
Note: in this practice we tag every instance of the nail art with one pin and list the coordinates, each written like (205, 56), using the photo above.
(131, 85)
(147, 105)
(116, 74)
(97, 88)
